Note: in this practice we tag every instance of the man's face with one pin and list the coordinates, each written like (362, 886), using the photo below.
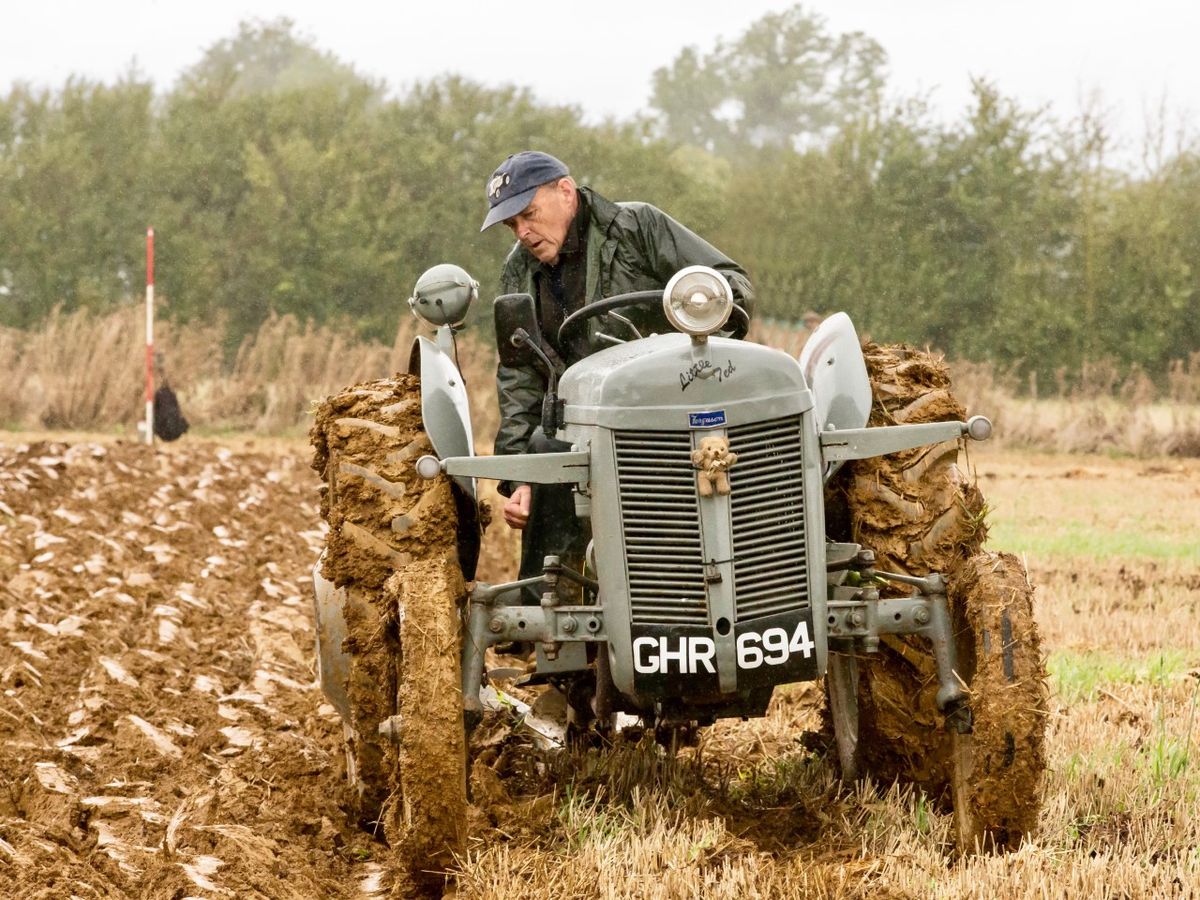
(542, 226)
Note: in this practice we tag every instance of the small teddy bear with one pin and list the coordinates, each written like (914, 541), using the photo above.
(712, 460)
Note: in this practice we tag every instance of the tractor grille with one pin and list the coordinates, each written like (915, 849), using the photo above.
(662, 527)
(661, 518)
(770, 562)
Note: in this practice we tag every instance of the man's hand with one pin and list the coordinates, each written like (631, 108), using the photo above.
(516, 510)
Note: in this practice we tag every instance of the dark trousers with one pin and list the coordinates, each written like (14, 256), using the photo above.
(553, 529)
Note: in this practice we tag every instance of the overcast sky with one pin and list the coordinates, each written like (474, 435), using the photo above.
(600, 56)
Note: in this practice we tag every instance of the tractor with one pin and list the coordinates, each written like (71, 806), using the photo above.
(753, 520)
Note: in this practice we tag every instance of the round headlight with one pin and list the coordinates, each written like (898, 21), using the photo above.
(443, 295)
(698, 300)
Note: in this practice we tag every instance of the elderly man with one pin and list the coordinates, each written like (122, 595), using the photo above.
(573, 247)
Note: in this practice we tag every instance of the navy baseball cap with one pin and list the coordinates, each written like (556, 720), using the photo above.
(513, 184)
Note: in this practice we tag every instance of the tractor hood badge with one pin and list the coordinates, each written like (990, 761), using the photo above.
(714, 418)
(712, 460)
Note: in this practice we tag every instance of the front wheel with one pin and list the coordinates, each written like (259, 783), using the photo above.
(994, 766)
(429, 823)
(995, 770)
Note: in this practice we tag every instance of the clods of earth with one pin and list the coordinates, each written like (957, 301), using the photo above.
(161, 730)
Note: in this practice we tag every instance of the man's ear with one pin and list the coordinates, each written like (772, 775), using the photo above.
(566, 187)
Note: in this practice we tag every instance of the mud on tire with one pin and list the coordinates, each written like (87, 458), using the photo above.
(996, 771)
(426, 817)
(391, 546)
(919, 514)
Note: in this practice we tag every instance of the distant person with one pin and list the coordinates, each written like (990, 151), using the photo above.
(170, 424)
(574, 247)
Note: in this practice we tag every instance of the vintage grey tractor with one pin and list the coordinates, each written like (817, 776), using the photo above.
(715, 477)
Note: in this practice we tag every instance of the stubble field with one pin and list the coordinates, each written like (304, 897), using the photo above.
(162, 736)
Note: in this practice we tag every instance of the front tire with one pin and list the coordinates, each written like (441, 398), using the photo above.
(996, 769)
(429, 825)
(841, 698)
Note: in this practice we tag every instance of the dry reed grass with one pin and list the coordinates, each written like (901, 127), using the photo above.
(84, 372)
(1105, 411)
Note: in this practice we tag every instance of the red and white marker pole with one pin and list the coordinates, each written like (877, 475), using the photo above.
(149, 335)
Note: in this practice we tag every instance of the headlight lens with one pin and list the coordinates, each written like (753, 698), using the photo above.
(698, 300)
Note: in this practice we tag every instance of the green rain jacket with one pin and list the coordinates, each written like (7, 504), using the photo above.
(630, 247)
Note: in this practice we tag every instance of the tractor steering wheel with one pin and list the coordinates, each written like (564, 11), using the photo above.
(573, 323)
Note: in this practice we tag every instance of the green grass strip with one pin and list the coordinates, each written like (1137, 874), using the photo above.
(1078, 677)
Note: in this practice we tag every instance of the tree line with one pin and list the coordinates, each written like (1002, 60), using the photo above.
(280, 180)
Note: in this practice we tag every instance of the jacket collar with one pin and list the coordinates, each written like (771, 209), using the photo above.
(577, 230)
(603, 212)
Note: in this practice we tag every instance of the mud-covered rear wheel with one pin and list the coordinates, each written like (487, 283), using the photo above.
(917, 512)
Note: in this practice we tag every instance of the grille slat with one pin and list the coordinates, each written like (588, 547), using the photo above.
(681, 504)
(666, 491)
(763, 581)
(766, 540)
(769, 596)
(767, 479)
(784, 516)
(644, 532)
(678, 580)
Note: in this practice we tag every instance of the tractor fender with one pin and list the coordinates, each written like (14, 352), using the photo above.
(445, 409)
(836, 373)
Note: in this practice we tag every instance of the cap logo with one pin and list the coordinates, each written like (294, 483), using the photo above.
(497, 184)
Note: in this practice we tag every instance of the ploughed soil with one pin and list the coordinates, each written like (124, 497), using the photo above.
(161, 730)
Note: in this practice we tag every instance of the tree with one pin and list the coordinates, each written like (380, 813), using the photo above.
(73, 182)
(265, 199)
(786, 83)
(957, 237)
(267, 58)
